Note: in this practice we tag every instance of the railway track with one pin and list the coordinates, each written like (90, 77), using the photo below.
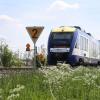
(16, 70)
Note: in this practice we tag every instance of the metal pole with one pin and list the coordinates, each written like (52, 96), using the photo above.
(28, 54)
(18, 58)
(34, 56)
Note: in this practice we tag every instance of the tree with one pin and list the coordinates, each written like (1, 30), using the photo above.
(2, 45)
(16, 61)
(6, 57)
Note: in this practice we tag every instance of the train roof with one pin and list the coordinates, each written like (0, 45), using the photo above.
(64, 29)
(69, 29)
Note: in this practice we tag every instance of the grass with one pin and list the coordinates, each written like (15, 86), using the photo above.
(33, 83)
(58, 83)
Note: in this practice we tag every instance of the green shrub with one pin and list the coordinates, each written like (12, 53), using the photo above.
(6, 57)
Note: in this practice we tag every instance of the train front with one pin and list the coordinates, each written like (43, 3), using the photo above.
(59, 44)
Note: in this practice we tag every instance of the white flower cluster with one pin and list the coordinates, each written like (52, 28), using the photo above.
(61, 72)
(89, 79)
(56, 74)
(77, 78)
(12, 96)
(14, 93)
(86, 76)
(17, 89)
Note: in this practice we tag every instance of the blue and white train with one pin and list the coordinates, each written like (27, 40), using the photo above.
(72, 45)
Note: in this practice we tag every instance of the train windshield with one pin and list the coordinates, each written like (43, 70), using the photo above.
(62, 35)
(62, 38)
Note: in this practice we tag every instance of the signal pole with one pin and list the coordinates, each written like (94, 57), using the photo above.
(34, 55)
(34, 33)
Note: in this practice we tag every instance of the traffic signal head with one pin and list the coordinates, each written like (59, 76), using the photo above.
(27, 47)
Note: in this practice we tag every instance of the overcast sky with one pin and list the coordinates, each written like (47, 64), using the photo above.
(15, 15)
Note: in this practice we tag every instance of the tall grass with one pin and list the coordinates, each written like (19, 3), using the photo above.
(52, 83)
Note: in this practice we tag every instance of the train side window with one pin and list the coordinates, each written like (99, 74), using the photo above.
(81, 43)
(99, 49)
(86, 44)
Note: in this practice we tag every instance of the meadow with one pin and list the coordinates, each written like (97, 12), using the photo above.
(59, 82)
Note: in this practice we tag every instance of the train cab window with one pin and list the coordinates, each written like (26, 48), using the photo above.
(62, 35)
(62, 38)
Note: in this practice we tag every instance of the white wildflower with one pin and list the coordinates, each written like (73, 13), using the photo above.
(77, 78)
(89, 79)
(12, 96)
(56, 74)
(94, 77)
(17, 89)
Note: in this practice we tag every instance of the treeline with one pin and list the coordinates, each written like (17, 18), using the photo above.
(8, 58)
